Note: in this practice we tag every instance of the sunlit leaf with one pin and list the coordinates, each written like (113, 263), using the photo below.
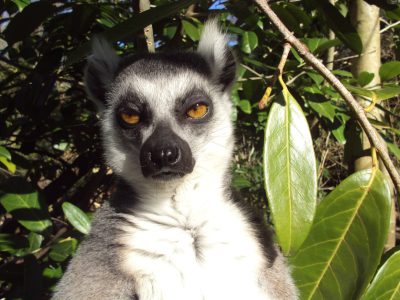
(76, 217)
(53, 273)
(386, 284)
(5, 153)
(389, 70)
(346, 241)
(288, 159)
(28, 209)
(63, 249)
(191, 30)
(245, 106)
(21, 3)
(364, 78)
(11, 167)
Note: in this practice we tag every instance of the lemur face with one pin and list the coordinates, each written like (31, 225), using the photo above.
(165, 116)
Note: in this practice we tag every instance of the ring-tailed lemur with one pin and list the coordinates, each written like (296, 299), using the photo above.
(171, 230)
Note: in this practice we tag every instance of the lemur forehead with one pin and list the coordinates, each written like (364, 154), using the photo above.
(152, 65)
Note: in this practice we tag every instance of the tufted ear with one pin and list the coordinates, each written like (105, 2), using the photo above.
(213, 46)
(100, 71)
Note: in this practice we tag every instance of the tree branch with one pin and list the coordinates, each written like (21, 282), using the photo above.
(148, 30)
(372, 135)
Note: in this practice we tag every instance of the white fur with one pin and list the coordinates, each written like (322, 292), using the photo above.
(230, 262)
(213, 46)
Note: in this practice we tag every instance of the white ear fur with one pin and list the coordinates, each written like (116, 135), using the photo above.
(100, 71)
(213, 46)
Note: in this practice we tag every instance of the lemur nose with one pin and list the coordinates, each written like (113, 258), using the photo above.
(165, 156)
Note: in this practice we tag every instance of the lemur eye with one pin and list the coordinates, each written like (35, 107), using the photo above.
(197, 111)
(131, 118)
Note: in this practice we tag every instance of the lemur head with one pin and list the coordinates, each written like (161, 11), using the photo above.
(165, 117)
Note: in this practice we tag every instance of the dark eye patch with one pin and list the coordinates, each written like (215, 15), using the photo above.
(134, 103)
(190, 99)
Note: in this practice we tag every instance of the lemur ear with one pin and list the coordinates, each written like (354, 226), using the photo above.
(213, 46)
(100, 71)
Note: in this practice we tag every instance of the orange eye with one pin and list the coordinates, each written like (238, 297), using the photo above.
(130, 118)
(197, 111)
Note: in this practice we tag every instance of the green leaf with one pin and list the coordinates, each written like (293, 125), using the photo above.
(345, 244)
(326, 45)
(53, 273)
(342, 73)
(296, 55)
(245, 106)
(240, 182)
(191, 30)
(389, 70)
(27, 208)
(364, 78)
(339, 131)
(63, 249)
(386, 284)
(317, 101)
(342, 27)
(25, 22)
(339, 135)
(131, 26)
(387, 92)
(288, 159)
(394, 149)
(21, 4)
(318, 79)
(76, 217)
(12, 242)
(313, 43)
(323, 109)
(248, 42)
(5, 153)
(9, 165)
(35, 241)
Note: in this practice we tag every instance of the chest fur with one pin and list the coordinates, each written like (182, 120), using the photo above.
(204, 256)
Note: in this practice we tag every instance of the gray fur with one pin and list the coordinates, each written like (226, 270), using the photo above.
(169, 236)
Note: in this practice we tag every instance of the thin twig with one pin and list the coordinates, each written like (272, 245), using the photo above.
(279, 71)
(324, 155)
(371, 133)
(252, 71)
(42, 251)
(390, 26)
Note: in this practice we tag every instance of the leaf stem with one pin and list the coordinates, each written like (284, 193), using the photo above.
(279, 71)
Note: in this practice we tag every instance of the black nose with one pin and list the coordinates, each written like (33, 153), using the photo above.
(164, 155)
